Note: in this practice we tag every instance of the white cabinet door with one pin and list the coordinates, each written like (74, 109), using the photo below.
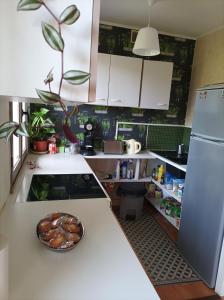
(103, 77)
(25, 57)
(125, 79)
(156, 84)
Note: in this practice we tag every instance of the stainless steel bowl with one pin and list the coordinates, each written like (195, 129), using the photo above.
(62, 215)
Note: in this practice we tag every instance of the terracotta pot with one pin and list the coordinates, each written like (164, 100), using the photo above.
(40, 146)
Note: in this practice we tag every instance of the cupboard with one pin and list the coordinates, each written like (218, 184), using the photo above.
(132, 82)
(156, 84)
(26, 59)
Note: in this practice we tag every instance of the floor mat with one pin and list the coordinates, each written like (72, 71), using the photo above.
(159, 255)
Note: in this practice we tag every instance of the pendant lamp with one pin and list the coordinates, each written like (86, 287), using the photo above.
(147, 41)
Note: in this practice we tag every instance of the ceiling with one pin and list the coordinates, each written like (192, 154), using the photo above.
(191, 18)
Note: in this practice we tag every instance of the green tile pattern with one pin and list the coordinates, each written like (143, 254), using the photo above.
(165, 137)
(186, 137)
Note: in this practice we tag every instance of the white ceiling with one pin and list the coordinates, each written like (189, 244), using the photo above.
(191, 18)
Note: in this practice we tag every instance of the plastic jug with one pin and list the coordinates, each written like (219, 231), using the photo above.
(132, 146)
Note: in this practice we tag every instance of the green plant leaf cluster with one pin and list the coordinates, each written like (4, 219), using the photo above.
(41, 127)
(29, 4)
(52, 37)
(76, 77)
(48, 97)
(9, 128)
(70, 15)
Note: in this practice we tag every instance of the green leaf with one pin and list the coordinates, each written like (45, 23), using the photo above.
(44, 111)
(52, 37)
(48, 97)
(29, 4)
(70, 15)
(48, 122)
(7, 129)
(76, 77)
(22, 130)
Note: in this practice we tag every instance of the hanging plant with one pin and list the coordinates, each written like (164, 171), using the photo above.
(54, 38)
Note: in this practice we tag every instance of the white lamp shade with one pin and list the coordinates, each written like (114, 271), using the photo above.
(147, 42)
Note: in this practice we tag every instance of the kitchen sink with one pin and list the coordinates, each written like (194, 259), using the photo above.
(173, 156)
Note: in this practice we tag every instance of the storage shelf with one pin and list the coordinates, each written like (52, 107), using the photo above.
(147, 179)
(169, 192)
(156, 204)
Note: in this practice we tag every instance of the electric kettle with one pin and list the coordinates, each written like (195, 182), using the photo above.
(132, 146)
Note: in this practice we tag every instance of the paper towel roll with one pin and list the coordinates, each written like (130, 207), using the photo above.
(3, 268)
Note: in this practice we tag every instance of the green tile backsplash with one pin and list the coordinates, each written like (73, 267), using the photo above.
(165, 137)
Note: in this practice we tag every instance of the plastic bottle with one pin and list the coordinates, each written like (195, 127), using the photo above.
(154, 173)
(124, 170)
(161, 173)
(157, 172)
(130, 169)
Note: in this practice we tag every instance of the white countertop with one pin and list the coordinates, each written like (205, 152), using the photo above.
(102, 155)
(141, 155)
(103, 266)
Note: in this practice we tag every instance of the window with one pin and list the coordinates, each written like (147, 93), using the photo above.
(19, 145)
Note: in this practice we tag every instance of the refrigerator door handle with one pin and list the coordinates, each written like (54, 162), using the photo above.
(203, 137)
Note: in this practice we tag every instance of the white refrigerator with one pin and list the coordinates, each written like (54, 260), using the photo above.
(202, 219)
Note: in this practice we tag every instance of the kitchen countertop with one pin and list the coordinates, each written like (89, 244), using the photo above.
(103, 266)
(148, 154)
(102, 155)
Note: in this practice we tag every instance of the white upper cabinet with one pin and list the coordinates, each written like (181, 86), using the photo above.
(103, 77)
(125, 80)
(156, 84)
(25, 57)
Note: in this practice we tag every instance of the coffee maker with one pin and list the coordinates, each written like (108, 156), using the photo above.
(87, 148)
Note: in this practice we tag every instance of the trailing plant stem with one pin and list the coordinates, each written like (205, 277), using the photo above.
(62, 61)
(50, 11)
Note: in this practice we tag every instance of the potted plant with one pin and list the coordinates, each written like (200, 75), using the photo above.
(61, 143)
(54, 38)
(40, 129)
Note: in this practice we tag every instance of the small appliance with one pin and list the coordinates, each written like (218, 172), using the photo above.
(132, 146)
(113, 147)
(87, 148)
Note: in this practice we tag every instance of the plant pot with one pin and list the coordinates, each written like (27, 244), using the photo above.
(40, 146)
(61, 149)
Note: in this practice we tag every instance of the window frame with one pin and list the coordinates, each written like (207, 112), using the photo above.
(15, 169)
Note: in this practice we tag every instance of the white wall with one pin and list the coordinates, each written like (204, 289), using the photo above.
(4, 156)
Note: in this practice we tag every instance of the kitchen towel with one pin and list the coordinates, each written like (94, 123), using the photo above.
(3, 268)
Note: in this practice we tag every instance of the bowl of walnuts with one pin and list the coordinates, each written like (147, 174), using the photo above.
(60, 231)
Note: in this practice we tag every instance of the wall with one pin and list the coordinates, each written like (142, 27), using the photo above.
(4, 156)
(208, 66)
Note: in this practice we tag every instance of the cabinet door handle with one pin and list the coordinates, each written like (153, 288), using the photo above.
(161, 104)
(100, 99)
(115, 100)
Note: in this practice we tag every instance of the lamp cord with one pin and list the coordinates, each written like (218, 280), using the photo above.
(150, 3)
